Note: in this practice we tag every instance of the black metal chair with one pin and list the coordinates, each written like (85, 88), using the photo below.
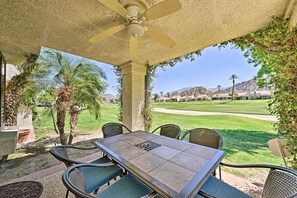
(62, 153)
(112, 129)
(169, 130)
(205, 137)
(281, 182)
(75, 179)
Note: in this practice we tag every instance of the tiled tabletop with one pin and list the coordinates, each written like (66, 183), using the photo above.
(174, 169)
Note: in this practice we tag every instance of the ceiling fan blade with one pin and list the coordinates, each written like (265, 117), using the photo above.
(115, 6)
(160, 37)
(107, 33)
(133, 46)
(162, 9)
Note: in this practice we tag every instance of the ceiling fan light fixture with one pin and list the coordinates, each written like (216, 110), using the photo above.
(136, 12)
(135, 29)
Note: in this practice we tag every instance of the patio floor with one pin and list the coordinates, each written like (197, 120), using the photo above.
(53, 186)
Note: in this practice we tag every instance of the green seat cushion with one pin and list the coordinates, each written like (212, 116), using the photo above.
(220, 189)
(96, 177)
(127, 187)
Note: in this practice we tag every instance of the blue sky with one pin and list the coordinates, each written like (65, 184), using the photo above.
(212, 68)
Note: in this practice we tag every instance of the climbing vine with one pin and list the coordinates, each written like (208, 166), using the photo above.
(151, 74)
(274, 49)
(117, 71)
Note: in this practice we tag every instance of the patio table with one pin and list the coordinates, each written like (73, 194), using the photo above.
(173, 168)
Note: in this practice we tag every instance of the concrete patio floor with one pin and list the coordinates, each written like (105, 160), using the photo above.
(53, 186)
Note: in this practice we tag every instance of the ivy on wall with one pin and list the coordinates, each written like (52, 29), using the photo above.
(117, 71)
(274, 49)
(151, 74)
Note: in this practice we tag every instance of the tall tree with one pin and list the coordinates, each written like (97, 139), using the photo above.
(219, 88)
(233, 77)
(21, 89)
(156, 96)
(80, 85)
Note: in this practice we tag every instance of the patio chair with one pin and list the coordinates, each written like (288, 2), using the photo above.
(112, 129)
(169, 130)
(76, 180)
(281, 182)
(104, 175)
(205, 137)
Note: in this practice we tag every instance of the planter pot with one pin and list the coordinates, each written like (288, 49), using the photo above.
(8, 140)
(23, 135)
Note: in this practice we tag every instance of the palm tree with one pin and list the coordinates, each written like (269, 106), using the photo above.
(161, 93)
(233, 77)
(156, 96)
(219, 88)
(87, 96)
(79, 83)
(21, 89)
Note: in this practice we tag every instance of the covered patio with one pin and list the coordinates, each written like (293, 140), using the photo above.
(68, 26)
(72, 26)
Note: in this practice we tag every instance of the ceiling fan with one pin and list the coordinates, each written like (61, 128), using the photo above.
(135, 15)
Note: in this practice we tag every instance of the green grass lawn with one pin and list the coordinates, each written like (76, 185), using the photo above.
(86, 123)
(237, 106)
(245, 139)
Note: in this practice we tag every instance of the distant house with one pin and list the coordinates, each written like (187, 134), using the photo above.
(203, 98)
(222, 96)
(187, 98)
(175, 98)
(109, 98)
(163, 99)
(242, 96)
(262, 95)
(183, 99)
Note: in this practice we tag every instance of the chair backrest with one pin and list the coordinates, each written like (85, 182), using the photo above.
(280, 184)
(169, 130)
(112, 129)
(205, 137)
(61, 154)
(74, 180)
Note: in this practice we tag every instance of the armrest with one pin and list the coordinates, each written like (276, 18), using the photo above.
(261, 166)
(151, 195)
(156, 129)
(76, 147)
(204, 194)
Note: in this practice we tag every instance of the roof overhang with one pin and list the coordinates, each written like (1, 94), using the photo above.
(67, 26)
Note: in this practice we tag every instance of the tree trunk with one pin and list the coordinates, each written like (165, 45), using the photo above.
(74, 115)
(54, 120)
(233, 90)
(64, 97)
(11, 112)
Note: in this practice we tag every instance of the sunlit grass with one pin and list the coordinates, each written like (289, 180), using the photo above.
(237, 106)
(245, 139)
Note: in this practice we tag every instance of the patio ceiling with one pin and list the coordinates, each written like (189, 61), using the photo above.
(67, 25)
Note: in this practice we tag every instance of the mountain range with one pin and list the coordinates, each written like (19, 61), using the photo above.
(245, 86)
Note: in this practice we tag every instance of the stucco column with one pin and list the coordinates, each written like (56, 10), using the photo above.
(133, 74)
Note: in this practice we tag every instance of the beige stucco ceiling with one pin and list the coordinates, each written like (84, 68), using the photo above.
(67, 25)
